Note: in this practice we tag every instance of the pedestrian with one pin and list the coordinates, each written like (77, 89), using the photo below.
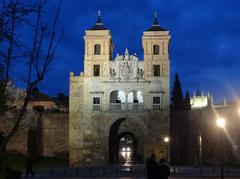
(29, 167)
(152, 167)
(163, 169)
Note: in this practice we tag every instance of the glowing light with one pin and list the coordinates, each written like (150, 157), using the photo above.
(166, 139)
(221, 122)
(128, 154)
(128, 149)
(123, 154)
(123, 149)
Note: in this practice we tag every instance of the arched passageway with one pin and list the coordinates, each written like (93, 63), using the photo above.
(125, 141)
(127, 148)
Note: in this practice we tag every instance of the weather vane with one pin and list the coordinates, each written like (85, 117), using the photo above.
(99, 13)
(155, 14)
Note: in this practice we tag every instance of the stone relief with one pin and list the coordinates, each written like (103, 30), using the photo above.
(126, 67)
(126, 70)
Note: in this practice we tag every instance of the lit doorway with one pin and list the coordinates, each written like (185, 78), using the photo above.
(127, 148)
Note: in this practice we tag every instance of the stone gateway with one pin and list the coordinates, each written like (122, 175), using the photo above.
(119, 108)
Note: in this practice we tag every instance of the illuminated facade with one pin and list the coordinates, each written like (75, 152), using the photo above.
(119, 98)
(200, 101)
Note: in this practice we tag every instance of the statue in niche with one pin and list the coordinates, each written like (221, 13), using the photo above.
(140, 74)
(112, 73)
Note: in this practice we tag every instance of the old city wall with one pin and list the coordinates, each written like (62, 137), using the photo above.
(52, 135)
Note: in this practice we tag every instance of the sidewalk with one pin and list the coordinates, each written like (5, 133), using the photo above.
(132, 172)
(131, 177)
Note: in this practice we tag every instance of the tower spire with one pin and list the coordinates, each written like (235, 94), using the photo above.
(99, 20)
(155, 26)
(99, 24)
(155, 22)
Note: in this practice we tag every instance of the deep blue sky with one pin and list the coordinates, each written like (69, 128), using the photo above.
(204, 47)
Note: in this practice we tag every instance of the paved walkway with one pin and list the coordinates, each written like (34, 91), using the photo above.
(135, 172)
(131, 177)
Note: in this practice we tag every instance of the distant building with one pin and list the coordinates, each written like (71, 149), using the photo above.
(200, 101)
(42, 102)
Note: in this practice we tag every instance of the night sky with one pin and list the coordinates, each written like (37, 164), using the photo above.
(204, 46)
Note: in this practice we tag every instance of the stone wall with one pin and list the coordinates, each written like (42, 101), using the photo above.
(55, 134)
(52, 134)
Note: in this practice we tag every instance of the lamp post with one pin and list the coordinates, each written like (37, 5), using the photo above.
(166, 140)
(200, 152)
(221, 124)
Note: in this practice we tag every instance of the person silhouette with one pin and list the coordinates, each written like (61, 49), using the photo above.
(29, 167)
(151, 166)
(163, 169)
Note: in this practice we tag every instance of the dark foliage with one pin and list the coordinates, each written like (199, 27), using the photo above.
(177, 101)
(187, 105)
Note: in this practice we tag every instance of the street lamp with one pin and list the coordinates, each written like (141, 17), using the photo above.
(166, 140)
(221, 124)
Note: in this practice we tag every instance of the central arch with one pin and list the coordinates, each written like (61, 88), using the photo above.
(132, 128)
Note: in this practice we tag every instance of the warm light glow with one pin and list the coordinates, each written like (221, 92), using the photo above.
(166, 139)
(128, 154)
(128, 149)
(123, 149)
(221, 122)
(123, 154)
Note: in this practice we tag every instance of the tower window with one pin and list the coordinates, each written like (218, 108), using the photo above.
(156, 70)
(97, 49)
(156, 103)
(96, 103)
(96, 70)
(155, 49)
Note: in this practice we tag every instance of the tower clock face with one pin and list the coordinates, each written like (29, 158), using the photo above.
(126, 70)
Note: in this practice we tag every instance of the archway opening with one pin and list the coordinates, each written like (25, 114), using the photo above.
(127, 148)
(117, 100)
(135, 100)
(123, 146)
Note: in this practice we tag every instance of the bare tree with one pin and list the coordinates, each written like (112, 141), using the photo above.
(41, 48)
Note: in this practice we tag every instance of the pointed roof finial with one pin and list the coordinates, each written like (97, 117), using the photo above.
(99, 20)
(155, 22)
(155, 25)
(99, 13)
(155, 14)
(126, 52)
(99, 24)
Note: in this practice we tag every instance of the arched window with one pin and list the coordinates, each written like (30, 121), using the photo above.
(97, 49)
(117, 100)
(155, 49)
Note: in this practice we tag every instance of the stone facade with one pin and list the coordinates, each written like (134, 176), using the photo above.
(113, 96)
